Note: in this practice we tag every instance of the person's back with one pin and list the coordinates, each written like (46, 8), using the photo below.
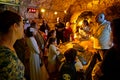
(68, 71)
(110, 65)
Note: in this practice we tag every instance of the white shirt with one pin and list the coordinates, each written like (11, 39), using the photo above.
(52, 53)
(103, 36)
(78, 65)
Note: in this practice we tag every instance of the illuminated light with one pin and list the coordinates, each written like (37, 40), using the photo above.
(75, 35)
(65, 11)
(42, 10)
(31, 10)
(79, 23)
(96, 2)
(55, 13)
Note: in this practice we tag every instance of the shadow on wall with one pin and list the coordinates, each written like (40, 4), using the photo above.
(113, 11)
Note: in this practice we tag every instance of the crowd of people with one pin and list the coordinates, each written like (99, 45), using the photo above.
(29, 52)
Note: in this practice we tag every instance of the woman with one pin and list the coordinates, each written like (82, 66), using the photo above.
(35, 60)
(51, 34)
(11, 29)
(53, 52)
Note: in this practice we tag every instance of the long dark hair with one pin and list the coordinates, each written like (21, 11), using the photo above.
(51, 40)
(50, 34)
(8, 18)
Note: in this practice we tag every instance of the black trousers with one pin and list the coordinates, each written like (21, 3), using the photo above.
(59, 37)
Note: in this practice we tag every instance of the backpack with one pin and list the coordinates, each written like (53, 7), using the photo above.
(68, 71)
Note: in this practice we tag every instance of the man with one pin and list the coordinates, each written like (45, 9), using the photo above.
(102, 41)
(44, 27)
(60, 27)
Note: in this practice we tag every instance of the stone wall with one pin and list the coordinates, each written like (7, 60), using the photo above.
(73, 8)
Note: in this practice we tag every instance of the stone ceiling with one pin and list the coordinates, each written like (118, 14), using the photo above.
(73, 7)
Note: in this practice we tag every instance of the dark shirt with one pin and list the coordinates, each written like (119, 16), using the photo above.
(59, 27)
(111, 65)
(68, 71)
(44, 27)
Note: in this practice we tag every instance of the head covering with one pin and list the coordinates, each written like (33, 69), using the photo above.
(100, 18)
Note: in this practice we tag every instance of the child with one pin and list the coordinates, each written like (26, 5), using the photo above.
(53, 52)
(71, 66)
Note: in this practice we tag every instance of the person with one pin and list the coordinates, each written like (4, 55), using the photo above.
(35, 60)
(51, 34)
(73, 63)
(39, 37)
(68, 32)
(11, 29)
(53, 52)
(22, 51)
(102, 36)
(110, 66)
(102, 43)
(38, 70)
(44, 27)
(26, 24)
(86, 26)
(85, 29)
(59, 27)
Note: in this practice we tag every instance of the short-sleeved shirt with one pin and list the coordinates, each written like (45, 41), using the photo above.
(11, 68)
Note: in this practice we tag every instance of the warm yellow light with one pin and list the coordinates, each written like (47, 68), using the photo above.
(79, 23)
(65, 11)
(42, 10)
(96, 2)
(75, 35)
(55, 13)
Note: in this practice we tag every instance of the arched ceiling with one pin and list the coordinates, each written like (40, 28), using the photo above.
(60, 5)
(73, 7)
